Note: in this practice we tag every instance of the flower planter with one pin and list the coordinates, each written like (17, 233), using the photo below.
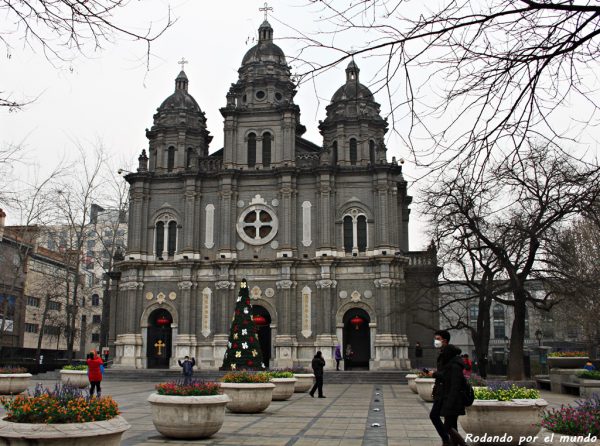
(248, 397)
(284, 388)
(515, 418)
(304, 382)
(14, 383)
(412, 385)
(425, 388)
(105, 433)
(76, 378)
(589, 387)
(573, 362)
(188, 416)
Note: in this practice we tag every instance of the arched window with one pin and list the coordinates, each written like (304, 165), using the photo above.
(361, 230)
(172, 241)
(372, 152)
(170, 159)
(251, 150)
(266, 149)
(499, 325)
(348, 235)
(188, 157)
(353, 151)
(160, 238)
(334, 156)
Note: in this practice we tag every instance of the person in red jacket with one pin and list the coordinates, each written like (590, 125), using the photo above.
(94, 363)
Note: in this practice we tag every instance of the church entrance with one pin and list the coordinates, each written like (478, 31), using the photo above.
(158, 351)
(262, 319)
(357, 340)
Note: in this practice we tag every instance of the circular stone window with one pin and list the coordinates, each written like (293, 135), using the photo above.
(257, 225)
(278, 96)
(260, 95)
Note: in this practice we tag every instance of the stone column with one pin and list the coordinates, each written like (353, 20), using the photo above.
(190, 224)
(287, 216)
(326, 214)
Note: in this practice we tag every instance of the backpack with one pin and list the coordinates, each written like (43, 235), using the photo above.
(468, 394)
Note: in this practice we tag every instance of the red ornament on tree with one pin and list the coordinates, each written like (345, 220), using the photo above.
(357, 321)
(259, 320)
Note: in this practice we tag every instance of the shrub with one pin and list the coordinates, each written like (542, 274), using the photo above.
(299, 370)
(75, 367)
(64, 404)
(567, 354)
(506, 392)
(193, 388)
(422, 374)
(9, 370)
(280, 374)
(476, 380)
(589, 374)
(581, 419)
(245, 377)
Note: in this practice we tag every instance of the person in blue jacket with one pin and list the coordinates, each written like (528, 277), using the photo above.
(188, 369)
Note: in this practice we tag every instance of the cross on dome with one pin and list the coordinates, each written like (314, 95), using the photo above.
(182, 62)
(266, 8)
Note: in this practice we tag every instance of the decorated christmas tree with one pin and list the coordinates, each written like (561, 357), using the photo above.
(243, 350)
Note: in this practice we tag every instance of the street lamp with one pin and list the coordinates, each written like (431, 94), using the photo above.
(539, 336)
(108, 276)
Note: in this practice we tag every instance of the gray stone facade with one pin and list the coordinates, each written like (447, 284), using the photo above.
(320, 233)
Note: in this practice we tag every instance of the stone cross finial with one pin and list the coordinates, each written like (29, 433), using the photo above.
(266, 8)
(182, 62)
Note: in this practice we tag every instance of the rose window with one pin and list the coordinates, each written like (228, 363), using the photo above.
(257, 225)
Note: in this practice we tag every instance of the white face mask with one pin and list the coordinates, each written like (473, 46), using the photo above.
(437, 343)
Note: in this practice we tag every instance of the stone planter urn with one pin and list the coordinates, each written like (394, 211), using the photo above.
(589, 386)
(412, 385)
(105, 433)
(248, 397)
(188, 416)
(76, 378)
(14, 383)
(566, 362)
(304, 381)
(515, 418)
(425, 388)
(284, 388)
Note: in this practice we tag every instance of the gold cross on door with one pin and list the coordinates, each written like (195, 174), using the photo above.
(159, 346)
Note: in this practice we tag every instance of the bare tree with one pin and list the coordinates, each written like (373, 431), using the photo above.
(474, 77)
(62, 28)
(511, 211)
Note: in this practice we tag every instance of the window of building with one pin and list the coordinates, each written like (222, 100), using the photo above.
(95, 337)
(31, 328)
(120, 232)
(547, 325)
(160, 238)
(348, 234)
(95, 300)
(33, 301)
(353, 151)
(257, 225)
(355, 231)
(266, 149)
(334, 155)
(361, 228)
(188, 157)
(170, 159)
(473, 314)
(499, 322)
(372, 152)
(96, 319)
(251, 150)
(53, 305)
(172, 240)
(51, 330)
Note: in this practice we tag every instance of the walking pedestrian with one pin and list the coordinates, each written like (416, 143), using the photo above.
(318, 363)
(418, 355)
(95, 366)
(338, 357)
(447, 391)
(187, 368)
(468, 366)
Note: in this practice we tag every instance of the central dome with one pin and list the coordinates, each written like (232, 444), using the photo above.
(265, 50)
(352, 89)
(180, 99)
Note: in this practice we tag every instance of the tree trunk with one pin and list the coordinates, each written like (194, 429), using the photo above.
(482, 343)
(41, 334)
(516, 363)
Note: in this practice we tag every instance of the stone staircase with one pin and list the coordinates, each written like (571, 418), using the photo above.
(161, 375)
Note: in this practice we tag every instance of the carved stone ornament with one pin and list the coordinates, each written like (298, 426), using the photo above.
(383, 283)
(172, 295)
(185, 285)
(326, 283)
(224, 285)
(149, 295)
(258, 200)
(132, 285)
(355, 296)
(367, 294)
(285, 284)
(160, 297)
(255, 292)
(343, 294)
(269, 292)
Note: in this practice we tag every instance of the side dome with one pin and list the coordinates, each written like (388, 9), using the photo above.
(352, 89)
(265, 49)
(180, 99)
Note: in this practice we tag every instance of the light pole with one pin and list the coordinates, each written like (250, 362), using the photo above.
(539, 336)
(108, 276)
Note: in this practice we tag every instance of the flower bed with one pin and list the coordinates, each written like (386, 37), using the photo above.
(284, 381)
(567, 354)
(505, 392)
(249, 392)
(13, 380)
(245, 377)
(188, 410)
(567, 360)
(589, 374)
(79, 367)
(581, 419)
(12, 370)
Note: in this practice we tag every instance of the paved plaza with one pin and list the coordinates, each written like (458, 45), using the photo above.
(344, 418)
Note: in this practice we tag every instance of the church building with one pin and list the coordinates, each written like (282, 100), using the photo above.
(320, 231)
